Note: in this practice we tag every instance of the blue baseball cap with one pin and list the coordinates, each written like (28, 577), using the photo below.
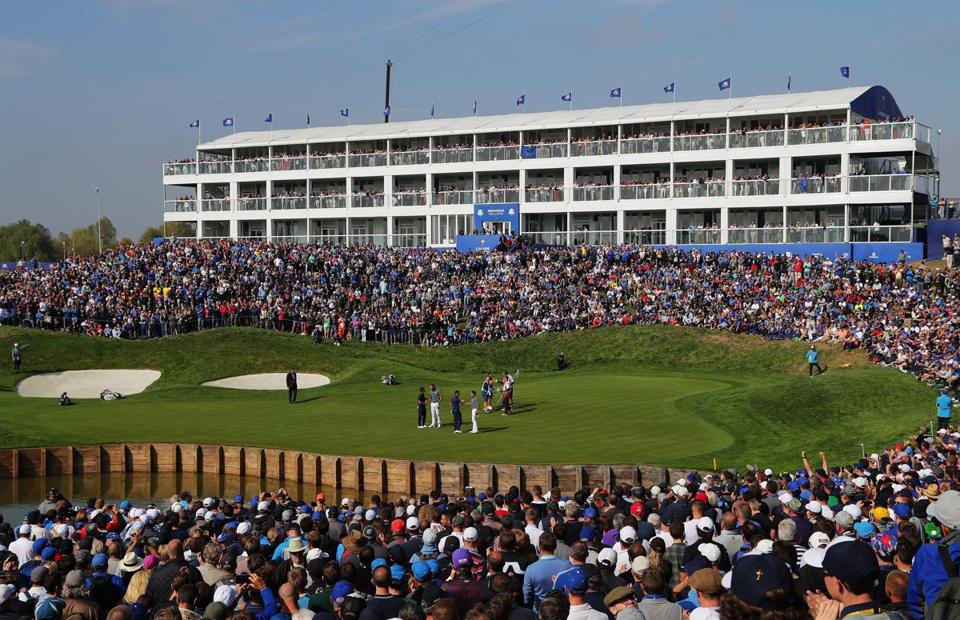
(422, 571)
(39, 545)
(99, 560)
(238, 499)
(575, 581)
(590, 513)
(902, 510)
(864, 529)
(377, 563)
(304, 508)
(48, 554)
(340, 591)
(125, 505)
(113, 536)
(397, 574)
(587, 532)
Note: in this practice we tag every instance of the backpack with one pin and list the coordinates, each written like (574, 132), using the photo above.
(947, 604)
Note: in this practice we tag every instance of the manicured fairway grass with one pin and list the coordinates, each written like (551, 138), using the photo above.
(654, 395)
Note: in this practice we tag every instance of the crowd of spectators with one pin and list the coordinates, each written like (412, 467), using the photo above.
(820, 541)
(902, 315)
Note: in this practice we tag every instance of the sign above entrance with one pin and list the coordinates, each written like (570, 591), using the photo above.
(498, 218)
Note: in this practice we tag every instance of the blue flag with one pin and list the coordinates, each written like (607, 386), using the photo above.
(528, 152)
(195, 124)
(228, 122)
(433, 110)
(269, 118)
(567, 97)
(386, 111)
(521, 100)
(725, 84)
(669, 88)
(616, 92)
(845, 72)
(789, 78)
(308, 118)
(345, 112)
(474, 107)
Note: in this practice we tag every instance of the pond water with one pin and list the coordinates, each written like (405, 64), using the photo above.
(21, 495)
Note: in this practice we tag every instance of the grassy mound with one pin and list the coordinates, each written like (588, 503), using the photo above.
(657, 395)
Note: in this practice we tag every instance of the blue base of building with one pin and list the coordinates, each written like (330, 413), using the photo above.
(471, 243)
(872, 252)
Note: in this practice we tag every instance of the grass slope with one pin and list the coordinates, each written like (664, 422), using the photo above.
(657, 395)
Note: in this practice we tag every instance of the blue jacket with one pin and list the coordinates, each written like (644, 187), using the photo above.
(928, 575)
(538, 578)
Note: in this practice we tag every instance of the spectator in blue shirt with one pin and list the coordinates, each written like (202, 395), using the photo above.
(944, 409)
(813, 360)
(538, 578)
(929, 574)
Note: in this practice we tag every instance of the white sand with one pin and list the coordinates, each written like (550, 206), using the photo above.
(269, 381)
(87, 383)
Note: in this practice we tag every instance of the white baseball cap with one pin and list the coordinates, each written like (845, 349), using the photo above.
(710, 551)
(814, 506)
(470, 534)
(263, 507)
(705, 523)
(607, 557)
(413, 523)
(818, 539)
(853, 510)
(628, 534)
(640, 564)
(244, 528)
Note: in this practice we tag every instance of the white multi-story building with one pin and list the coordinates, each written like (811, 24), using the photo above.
(838, 166)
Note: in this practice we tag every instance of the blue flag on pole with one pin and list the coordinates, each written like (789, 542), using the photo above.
(521, 100)
(268, 119)
(433, 110)
(386, 111)
(474, 107)
(195, 124)
(789, 78)
(845, 71)
(616, 92)
(345, 112)
(528, 152)
(725, 84)
(567, 97)
(308, 118)
(669, 88)
(228, 122)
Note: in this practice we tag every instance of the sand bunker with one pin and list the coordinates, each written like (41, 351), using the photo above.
(86, 383)
(269, 381)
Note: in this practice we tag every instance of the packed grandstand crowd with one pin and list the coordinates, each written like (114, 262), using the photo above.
(904, 316)
(823, 541)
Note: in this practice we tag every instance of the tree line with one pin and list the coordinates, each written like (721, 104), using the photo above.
(26, 240)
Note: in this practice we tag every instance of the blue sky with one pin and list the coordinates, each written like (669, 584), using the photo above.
(102, 91)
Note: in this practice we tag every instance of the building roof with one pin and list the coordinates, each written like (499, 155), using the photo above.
(649, 113)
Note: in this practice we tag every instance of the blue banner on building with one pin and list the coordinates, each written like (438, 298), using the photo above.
(871, 252)
(490, 218)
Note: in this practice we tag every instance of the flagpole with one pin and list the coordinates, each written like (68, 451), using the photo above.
(730, 94)
(199, 125)
(674, 92)
(571, 102)
(621, 96)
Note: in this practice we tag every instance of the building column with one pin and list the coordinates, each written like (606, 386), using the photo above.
(671, 222)
(620, 225)
(724, 223)
(844, 171)
(786, 175)
(523, 186)
(389, 229)
(728, 178)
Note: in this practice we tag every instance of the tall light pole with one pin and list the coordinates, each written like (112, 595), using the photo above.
(21, 251)
(96, 188)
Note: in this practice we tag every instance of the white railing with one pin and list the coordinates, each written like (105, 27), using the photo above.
(179, 206)
(700, 142)
(321, 162)
(216, 167)
(815, 185)
(645, 236)
(705, 189)
(215, 204)
(756, 187)
(368, 239)
(925, 184)
(497, 153)
(630, 146)
(880, 182)
(551, 149)
(365, 160)
(497, 195)
(817, 135)
(590, 148)
(645, 191)
(323, 239)
(705, 236)
(301, 239)
(593, 237)
(410, 240)
(366, 200)
(251, 165)
(251, 204)
(593, 192)
(452, 156)
(881, 234)
(288, 202)
(288, 163)
(751, 139)
(755, 235)
(329, 201)
(410, 199)
(882, 131)
(453, 197)
(410, 158)
(175, 168)
(554, 194)
(815, 234)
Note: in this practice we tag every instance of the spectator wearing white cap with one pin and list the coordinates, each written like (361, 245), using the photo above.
(22, 547)
(625, 537)
(705, 531)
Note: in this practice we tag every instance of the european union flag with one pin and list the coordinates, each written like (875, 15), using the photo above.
(521, 100)
(669, 88)
(308, 118)
(474, 107)
(528, 152)
(725, 84)
(345, 112)
(567, 97)
(845, 72)
(195, 124)
(269, 118)
(803, 184)
(789, 78)
(386, 111)
(433, 110)
(616, 92)
(228, 122)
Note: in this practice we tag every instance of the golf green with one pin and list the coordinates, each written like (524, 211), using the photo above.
(655, 395)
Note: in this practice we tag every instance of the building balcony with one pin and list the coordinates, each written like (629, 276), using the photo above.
(251, 165)
(210, 205)
(815, 185)
(178, 168)
(651, 236)
(451, 156)
(756, 187)
(329, 201)
(631, 146)
(497, 153)
(815, 234)
(410, 240)
(362, 201)
(751, 139)
(251, 204)
(889, 131)
(368, 239)
(485, 196)
(288, 163)
(179, 206)
(700, 142)
(410, 199)
(755, 235)
(593, 147)
(645, 191)
(593, 192)
(705, 236)
(705, 189)
(367, 160)
(410, 158)
(817, 135)
(288, 202)
(881, 234)
(323, 162)
(216, 167)
(548, 150)
(880, 183)
(453, 197)
(593, 237)
(553, 194)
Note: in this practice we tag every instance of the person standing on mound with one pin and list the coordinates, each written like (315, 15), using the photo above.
(291, 386)
(435, 397)
(474, 408)
(944, 409)
(455, 410)
(16, 354)
(813, 360)
(421, 408)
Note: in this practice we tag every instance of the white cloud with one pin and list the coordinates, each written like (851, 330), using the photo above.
(18, 57)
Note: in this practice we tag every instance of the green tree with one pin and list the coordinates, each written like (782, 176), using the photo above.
(26, 239)
(83, 241)
(173, 229)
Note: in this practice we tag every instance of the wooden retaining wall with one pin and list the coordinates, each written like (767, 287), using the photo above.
(370, 474)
